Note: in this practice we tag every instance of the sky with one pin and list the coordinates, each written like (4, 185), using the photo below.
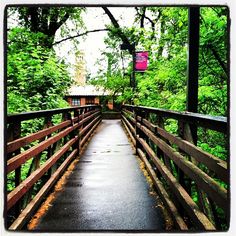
(93, 44)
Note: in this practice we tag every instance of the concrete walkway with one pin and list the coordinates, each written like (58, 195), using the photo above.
(106, 191)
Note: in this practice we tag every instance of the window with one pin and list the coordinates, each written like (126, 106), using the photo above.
(89, 100)
(75, 102)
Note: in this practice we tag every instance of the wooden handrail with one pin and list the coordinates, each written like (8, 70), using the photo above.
(44, 113)
(172, 159)
(218, 123)
(61, 142)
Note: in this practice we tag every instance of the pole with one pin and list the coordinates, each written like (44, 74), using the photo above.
(133, 73)
(193, 58)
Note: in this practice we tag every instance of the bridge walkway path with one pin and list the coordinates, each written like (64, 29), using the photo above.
(106, 191)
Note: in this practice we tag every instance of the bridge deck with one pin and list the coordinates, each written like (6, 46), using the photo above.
(106, 191)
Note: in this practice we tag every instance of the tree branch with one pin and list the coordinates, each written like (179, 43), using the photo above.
(54, 25)
(217, 57)
(142, 15)
(119, 31)
(78, 35)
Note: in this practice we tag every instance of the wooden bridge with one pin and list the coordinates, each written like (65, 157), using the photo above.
(175, 164)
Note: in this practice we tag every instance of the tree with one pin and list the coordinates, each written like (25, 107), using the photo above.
(36, 78)
(48, 20)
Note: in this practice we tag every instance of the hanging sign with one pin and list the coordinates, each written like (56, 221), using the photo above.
(141, 61)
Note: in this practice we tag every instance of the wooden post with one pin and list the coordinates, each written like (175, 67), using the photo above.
(13, 133)
(193, 56)
(48, 122)
(165, 157)
(203, 201)
(76, 132)
(138, 132)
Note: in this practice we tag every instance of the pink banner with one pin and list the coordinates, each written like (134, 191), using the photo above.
(141, 61)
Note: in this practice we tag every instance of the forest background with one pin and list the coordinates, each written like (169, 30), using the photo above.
(38, 79)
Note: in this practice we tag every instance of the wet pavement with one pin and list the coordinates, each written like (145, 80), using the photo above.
(106, 191)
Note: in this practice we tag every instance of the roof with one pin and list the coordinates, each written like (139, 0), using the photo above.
(87, 90)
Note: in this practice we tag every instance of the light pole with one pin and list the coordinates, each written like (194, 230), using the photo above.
(131, 48)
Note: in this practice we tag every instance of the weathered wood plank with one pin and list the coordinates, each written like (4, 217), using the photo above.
(44, 113)
(81, 122)
(132, 129)
(83, 131)
(21, 142)
(188, 204)
(130, 134)
(20, 159)
(84, 140)
(84, 115)
(206, 183)
(179, 222)
(218, 123)
(26, 214)
(128, 112)
(129, 117)
(213, 163)
(24, 187)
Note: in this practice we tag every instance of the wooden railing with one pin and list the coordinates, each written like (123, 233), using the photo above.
(43, 155)
(179, 168)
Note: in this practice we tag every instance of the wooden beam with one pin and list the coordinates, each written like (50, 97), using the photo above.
(15, 195)
(206, 183)
(21, 142)
(130, 134)
(84, 130)
(215, 164)
(131, 128)
(26, 214)
(43, 113)
(218, 123)
(20, 159)
(179, 222)
(198, 217)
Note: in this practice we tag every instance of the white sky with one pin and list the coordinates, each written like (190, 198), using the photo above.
(92, 45)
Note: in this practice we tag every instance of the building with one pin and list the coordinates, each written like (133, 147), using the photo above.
(87, 95)
(80, 69)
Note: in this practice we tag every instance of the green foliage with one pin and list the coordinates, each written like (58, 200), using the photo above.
(36, 79)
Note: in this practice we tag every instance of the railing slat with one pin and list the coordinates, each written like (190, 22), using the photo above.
(179, 222)
(213, 163)
(130, 134)
(44, 113)
(218, 123)
(215, 191)
(83, 131)
(20, 159)
(26, 214)
(24, 187)
(191, 208)
(21, 142)
(130, 126)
